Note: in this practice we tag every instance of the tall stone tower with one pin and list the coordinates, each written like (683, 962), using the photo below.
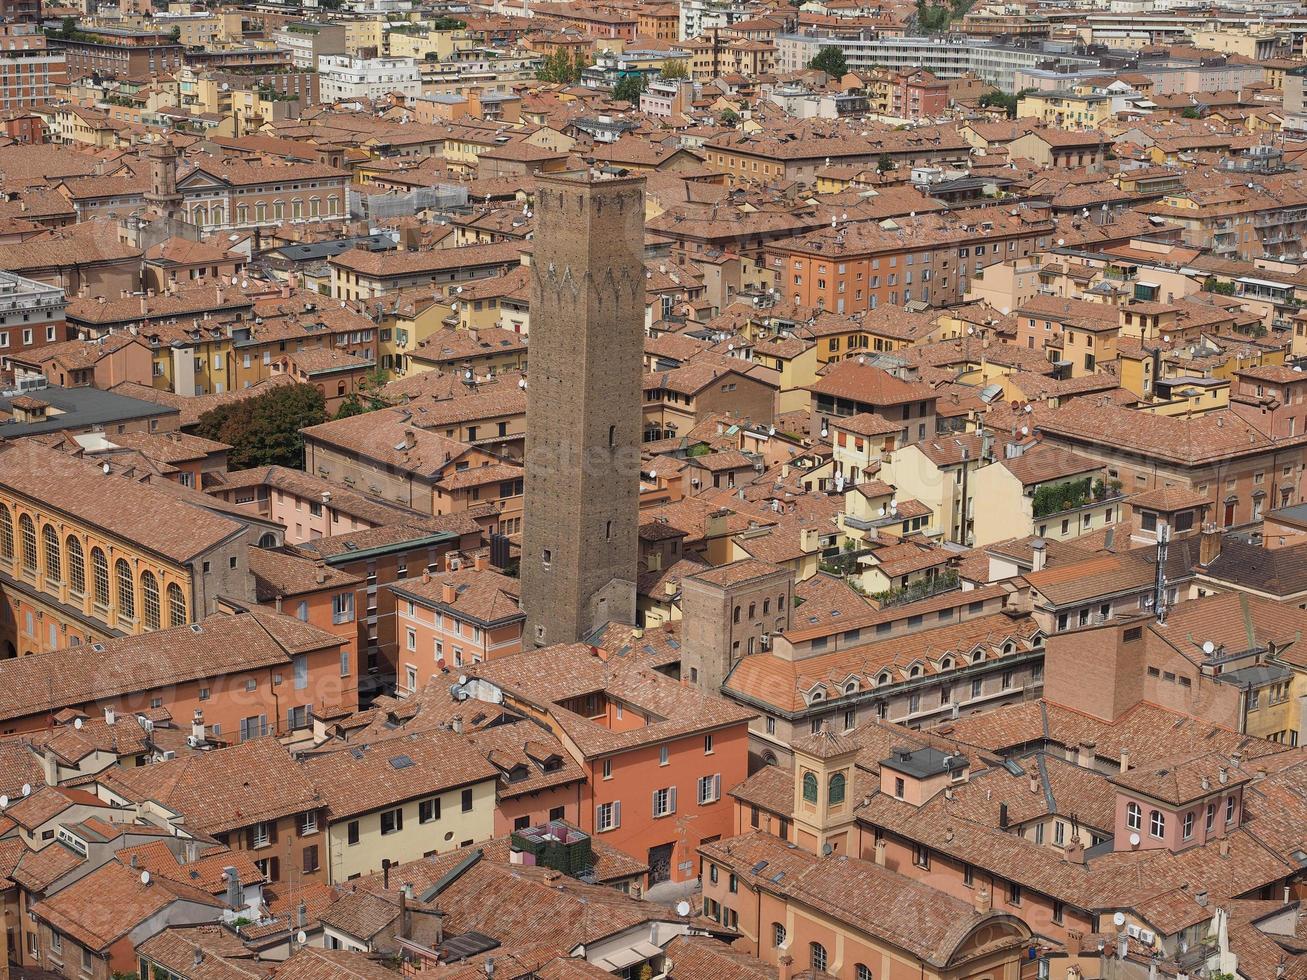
(163, 195)
(579, 553)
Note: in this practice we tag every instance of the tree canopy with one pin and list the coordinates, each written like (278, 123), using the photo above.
(674, 71)
(561, 68)
(629, 87)
(265, 430)
(830, 59)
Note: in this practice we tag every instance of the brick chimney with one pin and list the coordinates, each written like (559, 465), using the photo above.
(481, 562)
(983, 900)
(785, 967)
(448, 593)
(1075, 850)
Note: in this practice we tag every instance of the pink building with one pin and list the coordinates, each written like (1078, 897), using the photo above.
(1273, 398)
(447, 621)
(1177, 807)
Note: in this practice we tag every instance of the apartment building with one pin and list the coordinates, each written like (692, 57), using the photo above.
(31, 316)
(120, 52)
(30, 69)
(656, 755)
(928, 259)
(446, 621)
(343, 77)
(362, 274)
(218, 195)
(248, 674)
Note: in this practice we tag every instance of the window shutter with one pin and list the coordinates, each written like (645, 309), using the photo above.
(617, 813)
(599, 817)
(654, 808)
(263, 725)
(671, 800)
(249, 838)
(717, 786)
(272, 831)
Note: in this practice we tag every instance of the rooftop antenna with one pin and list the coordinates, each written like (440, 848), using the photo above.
(1159, 591)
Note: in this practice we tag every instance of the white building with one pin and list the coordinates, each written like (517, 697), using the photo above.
(344, 77)
(699, 17)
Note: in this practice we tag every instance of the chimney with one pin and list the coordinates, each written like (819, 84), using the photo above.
(1038, 555)
(233, 887)
(1209, 544)
(983, 901)
(1224, 847)
(880, 852)
(481, 562)
(448, 593)
(1034, 784)
(785, 967)
(457, 724)
(1125, 760)
(50, 767)
(1002, 816)
(301, 916)
(109, 716)
(385, 873)
(1201, 898)
(1085, 755)
(197, 726)
(1075, 850)
(405, 895)
(426, 576)
(320, 574)
(410, 439)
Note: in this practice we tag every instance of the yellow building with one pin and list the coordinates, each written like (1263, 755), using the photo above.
(361, 35)
(407, 319)
(425, 796)
(1063, 109)
(427, 44)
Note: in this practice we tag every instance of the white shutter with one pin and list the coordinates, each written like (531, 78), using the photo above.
(654, 805)
(717, 787)
(617, 813)
(671, 800)
(599, 817)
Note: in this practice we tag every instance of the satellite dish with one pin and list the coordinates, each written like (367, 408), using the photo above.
(1166, 338)
(1209, 647)
(1134, 840)
(4, 802)
(145, 877)
(462, 678)
(682, 907)
(882, 512)
(302, 937)
(1298, 368)
(771, 429)
(245, 284)
(1025, 430)
(1118, 919)
(78, 724)
(27, 789)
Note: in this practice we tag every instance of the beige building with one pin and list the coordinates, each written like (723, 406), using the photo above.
(403, 800)
(1049, 492)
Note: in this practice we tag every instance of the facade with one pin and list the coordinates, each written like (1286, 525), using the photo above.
(580, 521)
(29, 68)
(345, 77)
(31, 315)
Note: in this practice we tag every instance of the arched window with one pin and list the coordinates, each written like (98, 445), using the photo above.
(769, 758)
(176, 605)
(217, 214)
(777, 934)
(1009, 648)
(810, 787)
(150, 600)
(977, 656)
(885, 677)
(851, 687)
(835, 794)
(817, 957)
(915, 671)
(28, 532)
(268, 540)
(100, 574)
(861, 972)
(76, 566)
(1134, 817)
(126, 589)
(946, 663)
(53, 564)
(735, 616)
(6, 533)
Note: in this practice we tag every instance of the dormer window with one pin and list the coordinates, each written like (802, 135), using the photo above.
(915, 670)
(884, 678)
(815, 697)
(851, 687)
(977, 656)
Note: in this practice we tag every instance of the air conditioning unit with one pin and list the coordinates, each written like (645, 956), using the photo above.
(166, 756)
(1146, 937)
(192, 741)
(1132, 931)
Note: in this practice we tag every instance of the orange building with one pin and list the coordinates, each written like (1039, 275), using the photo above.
(655, 754)
(446, 621)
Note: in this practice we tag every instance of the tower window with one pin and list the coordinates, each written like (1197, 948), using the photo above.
(547, 557)
(608, 530)
(612, 435)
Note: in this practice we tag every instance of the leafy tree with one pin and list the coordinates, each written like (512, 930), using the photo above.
(933, 19)
(629, 87)
(265, 430)
(448, 24)
(729, 117)
(1004, 101)
(884, 165)
(830, 59)
(674, 71)
(561, 68)
(368, 398)
(1192, 112)
(68, 26)
(1213, 285)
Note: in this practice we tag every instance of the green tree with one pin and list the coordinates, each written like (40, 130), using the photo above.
(1001, 99)
(884, 165)
(933, 19)
(629, 87)
(1192, 112)
(1213, 285)
(368, 398)
(561, 68)
(674, 71)
(265, 430)
(830, 59)
(729, 117)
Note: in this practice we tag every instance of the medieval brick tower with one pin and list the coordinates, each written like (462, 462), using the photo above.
(583, 410)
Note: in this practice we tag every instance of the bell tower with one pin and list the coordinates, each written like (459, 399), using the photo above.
(823, 792)
(163, 195)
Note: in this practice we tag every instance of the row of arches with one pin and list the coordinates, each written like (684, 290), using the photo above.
(66, 562)
(202, 214)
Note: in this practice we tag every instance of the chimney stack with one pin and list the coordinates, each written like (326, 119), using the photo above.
(880, 852)
(233, 887)
(785, 967)
(1209, 544)
(1125, 760)
(197, 726)
(1075, 850)
(385, 872)
(1038, 555)
(448, 593)
(1085, 755)
(405, 894)
(983, 900)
